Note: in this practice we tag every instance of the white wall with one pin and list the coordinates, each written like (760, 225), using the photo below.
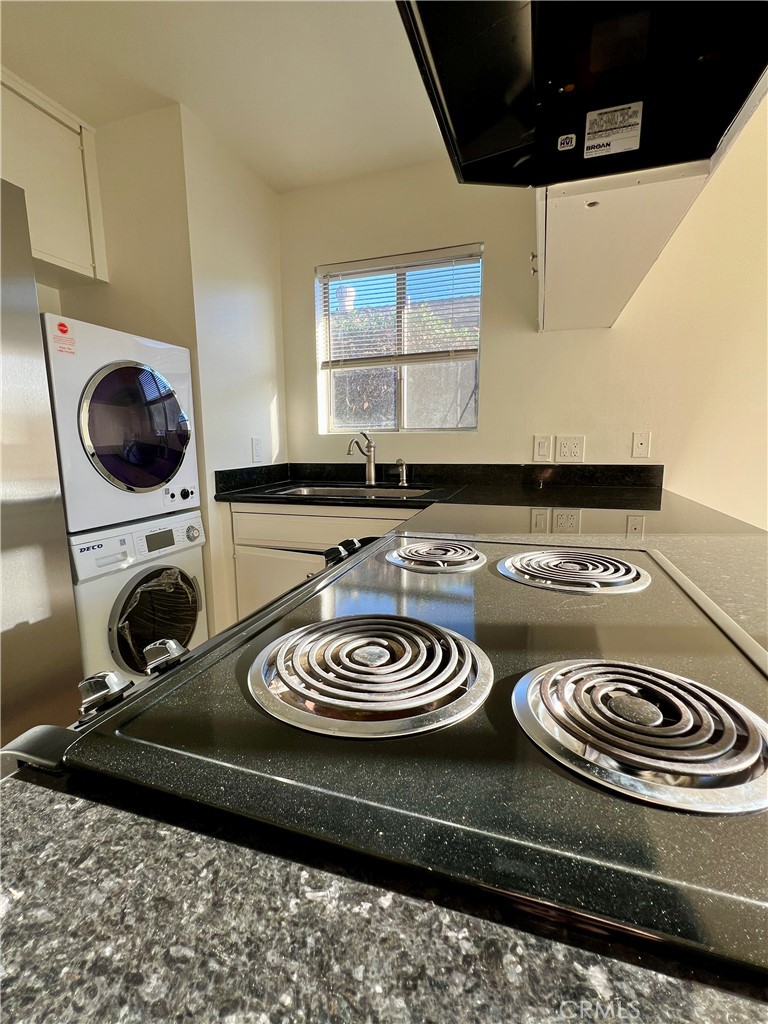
(234, 246)
(48, 299)
(192, 239)
(688, 348)
(700, 321)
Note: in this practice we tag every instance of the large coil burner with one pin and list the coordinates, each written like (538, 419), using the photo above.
(572, 571)
(371, 676)
(437, 556)
(653, 735)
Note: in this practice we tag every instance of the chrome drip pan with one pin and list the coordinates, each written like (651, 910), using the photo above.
(437, 556)
(650, 734)
(371, 676)
(573, 571)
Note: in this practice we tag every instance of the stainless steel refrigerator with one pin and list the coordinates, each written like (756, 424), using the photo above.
(40, 657)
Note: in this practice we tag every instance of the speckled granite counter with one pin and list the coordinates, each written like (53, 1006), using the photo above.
(111, 916)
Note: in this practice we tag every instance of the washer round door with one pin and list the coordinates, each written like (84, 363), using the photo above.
(161, 603)
(132, 426)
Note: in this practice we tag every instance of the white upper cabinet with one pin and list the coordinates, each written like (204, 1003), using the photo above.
(50, 153)
(597, 240)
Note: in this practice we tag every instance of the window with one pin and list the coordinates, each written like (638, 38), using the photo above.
(399, 341)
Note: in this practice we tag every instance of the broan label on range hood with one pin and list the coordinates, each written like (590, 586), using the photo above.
(531, 94)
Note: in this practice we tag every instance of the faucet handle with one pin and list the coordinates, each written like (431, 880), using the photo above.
(402, 466)
(371, 443)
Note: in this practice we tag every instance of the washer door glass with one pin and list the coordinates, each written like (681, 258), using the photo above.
(132, 426)
(162, 603)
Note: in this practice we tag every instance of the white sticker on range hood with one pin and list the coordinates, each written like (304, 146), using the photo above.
(613, 130)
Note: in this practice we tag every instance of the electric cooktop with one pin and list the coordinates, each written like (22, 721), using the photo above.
(579, 729)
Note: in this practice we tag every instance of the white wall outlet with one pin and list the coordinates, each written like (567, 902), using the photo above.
(641, 444)
(256, 449)
(569, 448)
(635, 526)
(540, 520)
(566, 520)
(542, 447)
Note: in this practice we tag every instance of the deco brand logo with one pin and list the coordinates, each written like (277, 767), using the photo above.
(91, 547)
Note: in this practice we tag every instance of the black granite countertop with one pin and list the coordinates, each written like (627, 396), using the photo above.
(472, 484)
(619, 507)
(128, 907)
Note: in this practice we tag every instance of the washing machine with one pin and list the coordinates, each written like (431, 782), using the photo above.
(124, 424)
(137, 584)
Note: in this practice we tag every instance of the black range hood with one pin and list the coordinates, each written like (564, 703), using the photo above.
(534, 93)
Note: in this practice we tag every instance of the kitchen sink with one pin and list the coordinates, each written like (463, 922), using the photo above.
(353, 491)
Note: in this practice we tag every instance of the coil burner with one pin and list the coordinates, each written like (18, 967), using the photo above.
(652, 735)
(571, 571)
(437, 556)
(371, 676)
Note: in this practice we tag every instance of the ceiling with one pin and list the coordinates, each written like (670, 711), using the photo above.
(305, 92)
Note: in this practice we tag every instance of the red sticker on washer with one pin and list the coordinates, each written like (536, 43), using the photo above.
(62, 327)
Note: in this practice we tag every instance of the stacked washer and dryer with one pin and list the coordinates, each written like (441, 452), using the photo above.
(126, 443)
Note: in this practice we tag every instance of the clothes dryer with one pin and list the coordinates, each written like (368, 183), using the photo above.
(124, 424)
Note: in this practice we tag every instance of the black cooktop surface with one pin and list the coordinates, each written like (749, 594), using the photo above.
(476, 800)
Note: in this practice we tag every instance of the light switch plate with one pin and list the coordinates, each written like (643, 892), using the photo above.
(540, 518)
(542, 447)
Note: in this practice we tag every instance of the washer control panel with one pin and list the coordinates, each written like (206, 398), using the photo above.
(103, 551)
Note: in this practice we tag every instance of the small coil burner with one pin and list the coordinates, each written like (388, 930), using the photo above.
(653, 735)
(437, 556)
(371, 676)
(570, 571)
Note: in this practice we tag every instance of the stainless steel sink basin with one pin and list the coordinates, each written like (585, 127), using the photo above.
(351, 491)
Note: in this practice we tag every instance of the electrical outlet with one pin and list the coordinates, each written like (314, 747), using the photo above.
(566, 520)
(641, 444)
(542, 447)
(256, 449)
(569, 448)
(540, 520)
(635, 526)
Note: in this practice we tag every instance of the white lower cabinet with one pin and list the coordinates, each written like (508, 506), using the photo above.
(262, 574)
(278, 547)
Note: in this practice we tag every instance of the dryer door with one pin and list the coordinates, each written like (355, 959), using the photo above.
(132, 426)
(161, 603)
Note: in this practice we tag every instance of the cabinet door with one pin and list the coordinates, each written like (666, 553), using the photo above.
(262, 574)
(43, 156)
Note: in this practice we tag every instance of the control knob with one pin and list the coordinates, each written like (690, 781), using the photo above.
(184, 493)
(192, 533)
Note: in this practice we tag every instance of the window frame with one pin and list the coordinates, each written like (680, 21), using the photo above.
(399, 266)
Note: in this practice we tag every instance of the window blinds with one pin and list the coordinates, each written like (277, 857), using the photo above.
(421, 307)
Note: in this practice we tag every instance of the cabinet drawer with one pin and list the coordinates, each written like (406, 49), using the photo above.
(312, 532)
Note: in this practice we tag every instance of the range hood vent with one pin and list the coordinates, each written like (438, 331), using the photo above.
(533, 94)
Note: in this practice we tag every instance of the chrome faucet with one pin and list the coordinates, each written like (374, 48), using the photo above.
(403, 470)
(369, 454)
